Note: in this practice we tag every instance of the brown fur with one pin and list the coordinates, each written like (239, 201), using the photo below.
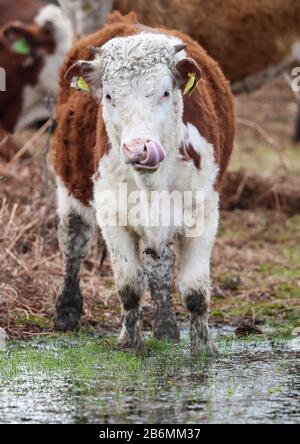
(22, 10)
(81, 139)
(244, 36)
(17, 75)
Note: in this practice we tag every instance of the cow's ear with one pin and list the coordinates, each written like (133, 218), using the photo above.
(18, 37)
(82, 76)
(188, 75)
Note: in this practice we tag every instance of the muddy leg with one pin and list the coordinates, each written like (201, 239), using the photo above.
(74, 236)
(158, 267)
(130, 282)
(194, 279)
(197, 304)
(130, 336)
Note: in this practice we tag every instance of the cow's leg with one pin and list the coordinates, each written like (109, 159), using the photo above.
(130, 282)
(74, 236)
(194, 279)
(158, 265)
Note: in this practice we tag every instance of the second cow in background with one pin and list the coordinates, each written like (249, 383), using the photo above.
(34, 40)
(253, 41)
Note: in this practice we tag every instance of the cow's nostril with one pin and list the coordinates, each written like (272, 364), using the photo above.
(145, 148)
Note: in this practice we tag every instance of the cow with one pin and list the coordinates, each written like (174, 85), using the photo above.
(34, 40)
(148, 109)
(253, 41)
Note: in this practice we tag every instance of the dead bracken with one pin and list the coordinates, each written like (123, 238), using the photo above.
(249, 243)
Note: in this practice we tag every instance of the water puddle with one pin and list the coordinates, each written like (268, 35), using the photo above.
(83, 379)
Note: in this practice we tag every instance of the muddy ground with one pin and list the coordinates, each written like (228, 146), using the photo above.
(256, 260)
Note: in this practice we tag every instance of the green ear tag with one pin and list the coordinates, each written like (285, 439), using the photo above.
(191, 84)
(21, 46)
(82, 85)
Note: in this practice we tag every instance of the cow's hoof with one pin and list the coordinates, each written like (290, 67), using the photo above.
(68, 309)
(131, 344)
(67, 321)
(166, 329)
(208, 349)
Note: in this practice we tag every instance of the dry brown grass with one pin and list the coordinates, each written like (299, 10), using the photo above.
(256, 268)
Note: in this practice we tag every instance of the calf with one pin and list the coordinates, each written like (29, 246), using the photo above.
(31, 52)
(153, 111)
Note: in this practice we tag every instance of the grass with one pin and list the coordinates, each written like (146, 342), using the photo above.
(263, 159)
(257, 270)
(84, 356)
(79, 354)
(84, 378)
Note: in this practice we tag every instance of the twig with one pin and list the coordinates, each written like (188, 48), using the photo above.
(242, 184)
(47, 259)
(258, 128)
(30, 142)
(12, 215)
(5, 139)
(265, 136)
(32, 311)
(18, 262)
(3, 206)
(26, 228)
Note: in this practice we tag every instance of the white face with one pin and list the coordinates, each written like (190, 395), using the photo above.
(140, 79)
(139, 114)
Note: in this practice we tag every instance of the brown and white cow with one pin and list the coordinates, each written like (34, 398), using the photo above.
(253, 41)
(34, 40)
(153, 112)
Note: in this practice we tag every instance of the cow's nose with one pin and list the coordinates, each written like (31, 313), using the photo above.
(143, 153)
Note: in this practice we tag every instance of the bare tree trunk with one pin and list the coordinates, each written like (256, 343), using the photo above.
(87, 16)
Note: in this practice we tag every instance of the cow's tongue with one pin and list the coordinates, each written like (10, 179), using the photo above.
(155, 154)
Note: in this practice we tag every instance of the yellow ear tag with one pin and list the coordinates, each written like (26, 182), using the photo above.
(191, 84)
(82, 85)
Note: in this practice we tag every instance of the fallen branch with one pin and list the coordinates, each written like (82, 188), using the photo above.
(249, 192)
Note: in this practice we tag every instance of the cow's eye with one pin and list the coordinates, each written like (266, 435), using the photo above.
(166, 94)
(108, 97)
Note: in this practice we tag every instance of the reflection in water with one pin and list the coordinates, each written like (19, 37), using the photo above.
(249, 382)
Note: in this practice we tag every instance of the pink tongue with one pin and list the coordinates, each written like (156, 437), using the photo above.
(155, 155)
